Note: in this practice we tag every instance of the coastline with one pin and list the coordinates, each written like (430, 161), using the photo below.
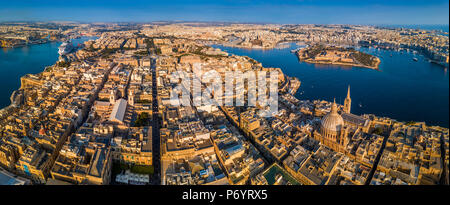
(9, 108)
(42, 41)
(342, 64)
(401, 49)
(278, 45)
(350, 65)
(11, 105)
(31, 43)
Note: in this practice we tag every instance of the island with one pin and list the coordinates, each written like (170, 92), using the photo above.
(337, 56)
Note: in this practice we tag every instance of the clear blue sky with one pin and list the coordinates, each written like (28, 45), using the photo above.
(263, 11)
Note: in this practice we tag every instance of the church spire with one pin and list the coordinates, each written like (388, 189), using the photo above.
(348, 101)
(334, 106)
(348, 92)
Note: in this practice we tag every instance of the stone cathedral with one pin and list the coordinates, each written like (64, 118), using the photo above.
(335, 129)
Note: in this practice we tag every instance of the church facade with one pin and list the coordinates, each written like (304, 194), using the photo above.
(335, 129)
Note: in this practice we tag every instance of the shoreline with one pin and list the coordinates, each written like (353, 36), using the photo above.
(39, 42)
(279, 45)
(343, 64)
(31, 44)
(11, 105)
(419, 52)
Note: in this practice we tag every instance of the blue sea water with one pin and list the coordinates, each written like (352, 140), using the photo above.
(402, 89)
(17, 62)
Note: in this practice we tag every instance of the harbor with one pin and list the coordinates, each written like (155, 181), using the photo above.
(398, 87)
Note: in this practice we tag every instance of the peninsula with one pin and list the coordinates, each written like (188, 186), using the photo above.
(337, 56)
(106, 115)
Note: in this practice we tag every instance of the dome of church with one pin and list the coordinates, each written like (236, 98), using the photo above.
(332, 121)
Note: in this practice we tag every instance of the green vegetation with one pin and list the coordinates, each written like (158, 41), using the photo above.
(141, 53)
(202, 55)
(48, 69)
(108, 51)
(378, 131)
(151, 46)
(90, 48)
(315, 50)
(275, 170)
(143, 119)
(143, 101)
(235, 179)
(142, 169)
(117, 168)
(158, 51)
(253, 61)
(364, 58)
(63, 64)
(149, 42)
(360, 57)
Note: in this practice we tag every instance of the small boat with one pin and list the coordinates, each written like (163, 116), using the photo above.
(415, 59)
(360, 105)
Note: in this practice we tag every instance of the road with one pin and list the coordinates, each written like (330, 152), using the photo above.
(377, 159)
(156, 138)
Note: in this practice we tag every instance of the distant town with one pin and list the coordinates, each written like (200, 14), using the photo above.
(103, 113)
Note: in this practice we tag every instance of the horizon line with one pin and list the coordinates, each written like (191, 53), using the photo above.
(228, 22)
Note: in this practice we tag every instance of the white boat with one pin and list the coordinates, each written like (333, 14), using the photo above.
(65, 48)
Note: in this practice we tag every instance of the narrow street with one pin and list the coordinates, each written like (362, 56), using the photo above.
(377, 159)
(156, 139)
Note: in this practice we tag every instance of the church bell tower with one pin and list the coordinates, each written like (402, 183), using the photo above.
(112, 97)
(130, 97)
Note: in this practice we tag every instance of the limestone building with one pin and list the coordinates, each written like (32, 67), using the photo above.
(333, 132)
(334, 129)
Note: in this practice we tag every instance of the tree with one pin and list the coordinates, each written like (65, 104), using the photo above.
(63, 64)
(142, 120)
(378, 131)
